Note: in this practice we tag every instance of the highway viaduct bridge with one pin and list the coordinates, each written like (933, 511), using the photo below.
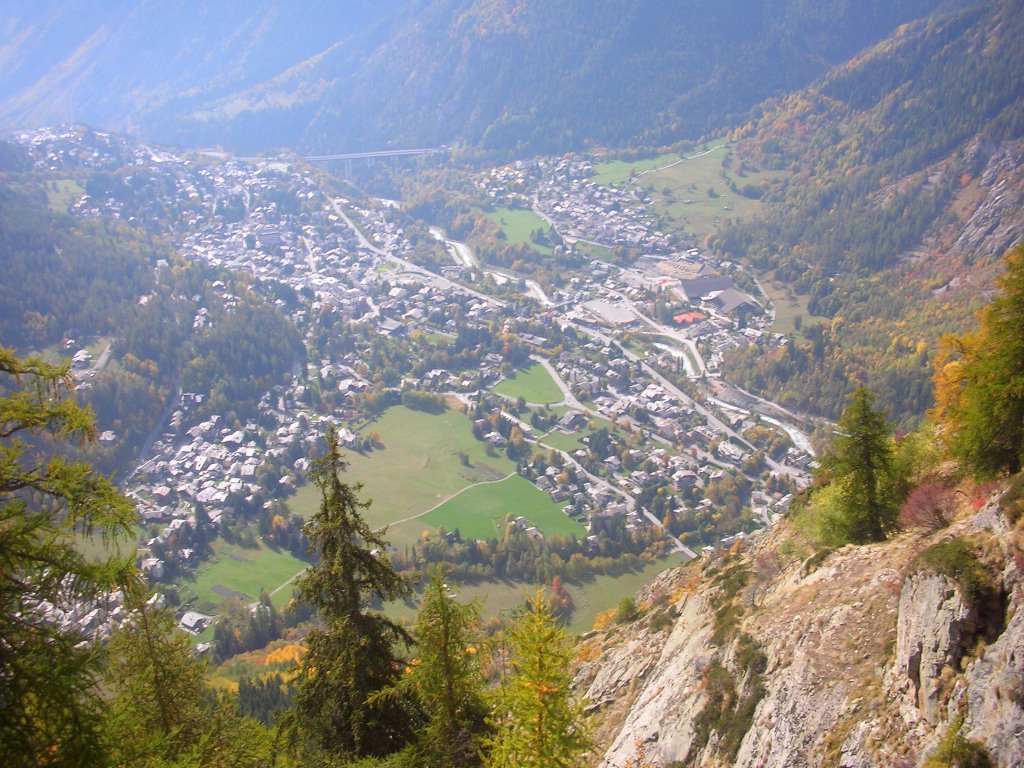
(394, 154)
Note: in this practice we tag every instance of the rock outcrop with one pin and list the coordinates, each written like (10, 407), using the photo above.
(866, 659)
(934, 630)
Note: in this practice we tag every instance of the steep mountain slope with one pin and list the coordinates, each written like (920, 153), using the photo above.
(509, 74)
(112, 64)
(907, 184)
(870, 656)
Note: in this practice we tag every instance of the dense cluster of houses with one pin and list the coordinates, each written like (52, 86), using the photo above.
(563, 191)
(270, 219)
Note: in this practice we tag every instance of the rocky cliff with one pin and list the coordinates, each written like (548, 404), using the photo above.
(771, 655)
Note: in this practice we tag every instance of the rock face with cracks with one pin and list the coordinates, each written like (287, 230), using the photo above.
(934, 630)
(865, 659)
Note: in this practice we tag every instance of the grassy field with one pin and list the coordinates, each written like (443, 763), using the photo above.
(599, 593)
(620, 171)
(571, 442)
(61, 193)
(694, 195)
(591, 596)
(418, 468)
(479, 512)
(533, 383)
(236, 571)
(496, 598)
(95, 548)
(517, 224)
(788, 307)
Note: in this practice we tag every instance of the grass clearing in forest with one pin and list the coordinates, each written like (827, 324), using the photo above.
(788, 307)
(695, 195)
(533, 383)
(62, 193)
(621, 171)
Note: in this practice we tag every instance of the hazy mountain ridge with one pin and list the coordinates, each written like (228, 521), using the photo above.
(526, 76)
(113, 64)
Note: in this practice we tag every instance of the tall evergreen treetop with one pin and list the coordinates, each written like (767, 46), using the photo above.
(445, 678)
(538, 721)
(860, 459)
(353, 656)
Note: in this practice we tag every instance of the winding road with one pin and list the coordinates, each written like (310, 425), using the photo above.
(408, 266)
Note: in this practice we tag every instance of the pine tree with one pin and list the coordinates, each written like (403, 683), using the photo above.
(352, 657)
(979, 382)
(155, 714)
(860, 460)
(50, 711)
(160, 712)
(445, 677)
(538, 722)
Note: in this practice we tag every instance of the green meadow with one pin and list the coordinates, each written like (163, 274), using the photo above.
(591, 596)
(236, 571)
(430, 473)
(479, 512)
(571, 441)
(62, 193)
(620, 171)
(418, 467)
(788, 307)
(695, 193)
(533, 383)
(517, 224)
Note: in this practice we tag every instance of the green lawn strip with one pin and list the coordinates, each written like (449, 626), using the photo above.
(517, 224)
(593, 251)
(236, 571)
(480, 512)
(533, 383)
(676, 344)
(637, 347)
(418, 467)
(694, 365)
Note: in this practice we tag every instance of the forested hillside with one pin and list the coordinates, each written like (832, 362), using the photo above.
(60, 275)
(523, 76)
(71, 283)
(905, 187)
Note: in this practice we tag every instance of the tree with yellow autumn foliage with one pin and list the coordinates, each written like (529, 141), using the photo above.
(538, 721)
(979, 381)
